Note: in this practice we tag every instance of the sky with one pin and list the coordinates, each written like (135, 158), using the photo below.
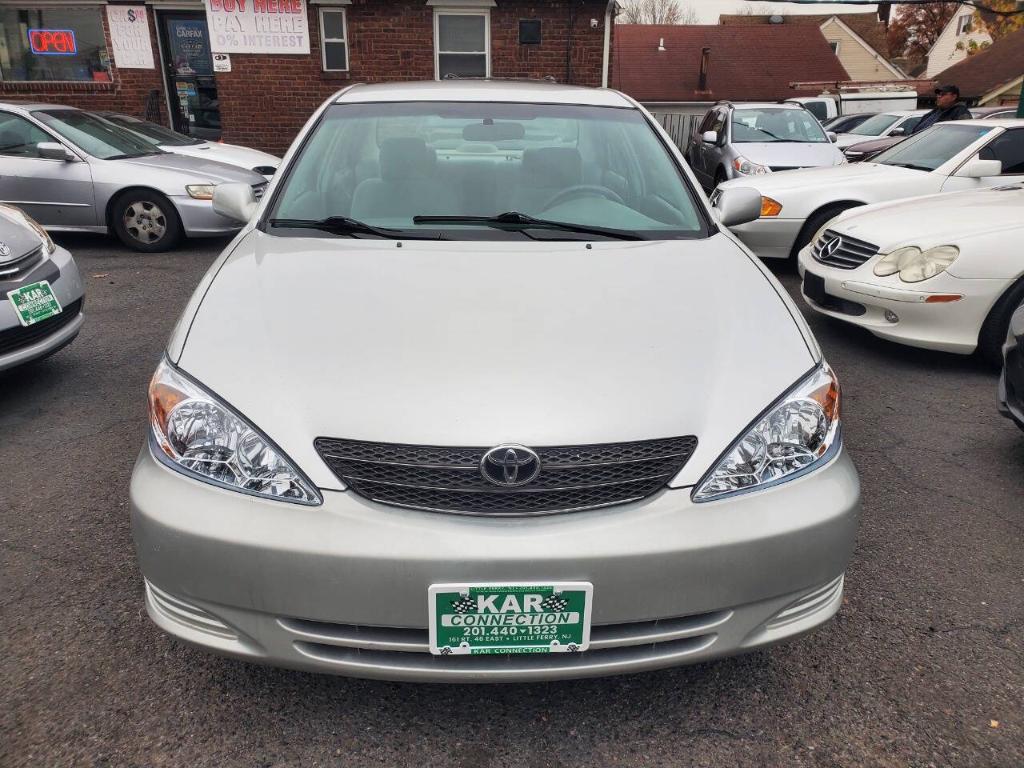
(708, 10)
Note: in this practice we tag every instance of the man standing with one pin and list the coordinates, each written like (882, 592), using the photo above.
(947, 107)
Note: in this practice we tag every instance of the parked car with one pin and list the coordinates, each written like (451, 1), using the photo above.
(73, 171)
(178, 143)
(993, 113)
(947, 157)
(738, 140)
(1011, 382)
(675, 496)
(865, 150)
(899, 123)
(846, 122)
(41, 291)
(940, 272)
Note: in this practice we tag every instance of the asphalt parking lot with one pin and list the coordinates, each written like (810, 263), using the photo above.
(924, 665)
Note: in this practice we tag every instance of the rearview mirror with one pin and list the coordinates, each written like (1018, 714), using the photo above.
(738, 206)
(898, 132)
(53, 150)
(493, 132)
(709, 137)
(832, 136)
(236, 201)
(980, 169)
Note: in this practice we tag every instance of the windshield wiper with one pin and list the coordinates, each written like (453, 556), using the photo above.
(516, 220)
(133, 155)
(912, 167)
(343, 225)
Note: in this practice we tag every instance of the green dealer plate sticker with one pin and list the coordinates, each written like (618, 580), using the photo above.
(34, 302)
(551, 617)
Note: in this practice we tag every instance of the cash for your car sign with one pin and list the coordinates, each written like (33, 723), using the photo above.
(509, 618)
(129, 36)
(258, 26)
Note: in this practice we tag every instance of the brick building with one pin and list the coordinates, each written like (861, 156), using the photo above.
(66, 53)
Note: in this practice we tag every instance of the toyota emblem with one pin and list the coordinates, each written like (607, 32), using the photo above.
(510, 465)
(5, 250)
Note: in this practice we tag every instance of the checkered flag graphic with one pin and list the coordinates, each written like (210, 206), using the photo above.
(463, 605)
(554, 603)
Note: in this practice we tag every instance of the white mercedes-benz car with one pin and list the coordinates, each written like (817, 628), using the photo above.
(962, 155)
(942, 272)
(484, 391)
(898, 123)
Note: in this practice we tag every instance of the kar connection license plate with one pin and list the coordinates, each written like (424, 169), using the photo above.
(34, 302)
(509, 618)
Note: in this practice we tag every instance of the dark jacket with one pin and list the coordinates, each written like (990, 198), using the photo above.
(958, 111)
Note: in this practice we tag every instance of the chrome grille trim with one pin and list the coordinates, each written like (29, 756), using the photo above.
(849, 255)
(408, 640)
(443, 479)
(13, 269)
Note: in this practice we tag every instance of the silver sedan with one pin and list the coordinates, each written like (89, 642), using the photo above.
(73, 171)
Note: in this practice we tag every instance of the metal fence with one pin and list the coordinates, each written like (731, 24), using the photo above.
(679, 127)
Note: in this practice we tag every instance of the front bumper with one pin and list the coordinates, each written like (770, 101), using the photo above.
(66, 282)
(342, 588)
(199, 219)
(769, 238)
(947, 327)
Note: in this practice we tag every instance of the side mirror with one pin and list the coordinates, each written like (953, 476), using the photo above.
(898, 132)
(709, 137)
(738, 206)
(832, 136)
(53, 150)
(980, 169)
(236, 201)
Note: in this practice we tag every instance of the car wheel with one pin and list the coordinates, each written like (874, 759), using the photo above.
(146, 221)
(993, 331)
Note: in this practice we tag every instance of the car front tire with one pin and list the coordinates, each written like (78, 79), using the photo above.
(993, 331)
(145, 221)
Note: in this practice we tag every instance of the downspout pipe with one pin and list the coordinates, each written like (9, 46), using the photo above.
(609, 19)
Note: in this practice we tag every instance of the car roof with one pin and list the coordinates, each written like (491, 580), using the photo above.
(33, 106)
(767, 104)
(526, 91)
(1005, 122)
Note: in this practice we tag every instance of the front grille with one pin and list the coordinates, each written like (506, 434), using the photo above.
(258, 190)
(16, 268)
(849, 254)
(441, 479)
(16, 338)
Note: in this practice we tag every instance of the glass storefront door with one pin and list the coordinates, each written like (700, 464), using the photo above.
(192, 89)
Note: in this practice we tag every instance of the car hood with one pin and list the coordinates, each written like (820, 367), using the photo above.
(949, 218)
(783, 154)
(242, 157)
(466, 344)
(849, 139)
(875, 145)
(831, 177)
(198, 170)
(17, 236)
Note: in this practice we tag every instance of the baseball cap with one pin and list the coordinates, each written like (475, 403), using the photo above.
(947, 89)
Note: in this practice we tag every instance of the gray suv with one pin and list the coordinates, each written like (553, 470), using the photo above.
(738, 140)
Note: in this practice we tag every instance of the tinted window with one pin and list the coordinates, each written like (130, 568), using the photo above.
(929, 149)
(18, 137)
(818, 109)
(770, 125)
(151, 131)
(875, 126)
(1009, 149)
(96, 136)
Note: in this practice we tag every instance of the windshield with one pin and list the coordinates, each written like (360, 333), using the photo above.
(772, 125)
(151, 131)
(874, 126)
(929, 149)
(385, 164)
(95, 135)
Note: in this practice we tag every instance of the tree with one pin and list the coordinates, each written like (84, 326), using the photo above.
(915, 28)
(997, 25)
(656, 12)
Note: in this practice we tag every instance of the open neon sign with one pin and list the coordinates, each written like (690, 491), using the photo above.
(52, 42)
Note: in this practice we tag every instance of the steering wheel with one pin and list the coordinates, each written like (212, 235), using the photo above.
(582, 190)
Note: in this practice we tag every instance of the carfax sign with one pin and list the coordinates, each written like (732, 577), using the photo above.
(509, 618)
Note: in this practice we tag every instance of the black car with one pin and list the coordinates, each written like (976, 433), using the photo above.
(1011, 383)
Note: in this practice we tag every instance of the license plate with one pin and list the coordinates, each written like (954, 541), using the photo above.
(34, 302)
(551, 617)
(814, 287)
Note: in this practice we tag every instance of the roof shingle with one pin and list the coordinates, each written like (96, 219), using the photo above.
(999, 64)
(865, 25)
(754, 63)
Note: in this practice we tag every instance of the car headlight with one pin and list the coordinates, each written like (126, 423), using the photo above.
(201, 191)
(915, 265)
(48, 244)
(747, 168)
(797, 433)
(197, 434)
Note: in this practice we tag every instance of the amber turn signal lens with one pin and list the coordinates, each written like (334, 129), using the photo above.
(943, 298)
(770, 207)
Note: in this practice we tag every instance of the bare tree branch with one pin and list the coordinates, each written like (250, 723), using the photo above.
(657, 12)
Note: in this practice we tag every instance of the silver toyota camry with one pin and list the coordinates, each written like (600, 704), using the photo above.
(485, 391)
(73, 171)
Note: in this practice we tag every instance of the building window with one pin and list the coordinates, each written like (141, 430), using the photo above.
(333, 40)
(963, 24)
(834, 45)
(462, 43)
(53, 44)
